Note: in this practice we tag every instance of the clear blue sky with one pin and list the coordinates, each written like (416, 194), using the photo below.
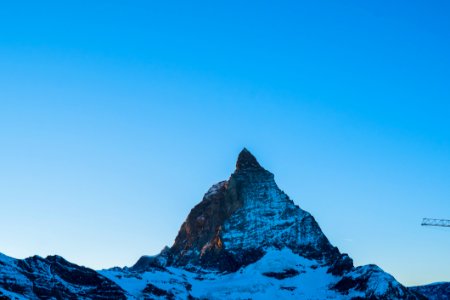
(117, 116)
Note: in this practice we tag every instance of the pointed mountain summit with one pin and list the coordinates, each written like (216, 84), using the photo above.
(240, 219)
(246, 239)
(246, 160)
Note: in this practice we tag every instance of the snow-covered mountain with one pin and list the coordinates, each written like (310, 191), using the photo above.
(245, 240)
(434, 291)
(53, 278)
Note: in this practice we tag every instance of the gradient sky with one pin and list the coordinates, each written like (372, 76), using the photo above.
(117, 116)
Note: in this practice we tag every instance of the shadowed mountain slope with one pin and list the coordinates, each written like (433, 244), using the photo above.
(246, 239)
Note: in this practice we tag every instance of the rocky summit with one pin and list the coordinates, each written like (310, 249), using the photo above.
(238, 220)
(246, 239)
(53, 278)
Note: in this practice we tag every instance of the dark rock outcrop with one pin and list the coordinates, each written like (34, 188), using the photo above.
(374, 283)
(288, 273)
(54, 278)
(246, 236)
(241, 217)
(434, 291)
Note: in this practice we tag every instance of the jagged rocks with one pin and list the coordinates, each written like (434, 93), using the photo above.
(434, 291)
(241, 217)
(152, 291)
(373, 283)
(283, 274)
(245, 240)
(240, 220)
(53, 278)
(341, 265)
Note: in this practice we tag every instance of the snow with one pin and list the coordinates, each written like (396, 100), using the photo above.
(265, 219)
(215, 188)
(434, 291)
(6, 259)
(12, 295)
(10, 274)
(13, 276)
(268, 217)
(250, 282)
(378, 282)
(312, 281)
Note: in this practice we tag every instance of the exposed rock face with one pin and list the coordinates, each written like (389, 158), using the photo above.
(245, 240)
(373, 283)
(240, 218)
(279, 274)
(434, 291)
(53, 278)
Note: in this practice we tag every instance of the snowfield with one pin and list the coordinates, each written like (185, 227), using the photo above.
(246, 239)
(280, 274)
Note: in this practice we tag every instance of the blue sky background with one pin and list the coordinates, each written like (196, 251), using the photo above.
(117, 116)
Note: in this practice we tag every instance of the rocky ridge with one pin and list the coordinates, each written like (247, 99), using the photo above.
(238, 219)
(53, 278)
(246, 219)
(434, 291)
(246, 239)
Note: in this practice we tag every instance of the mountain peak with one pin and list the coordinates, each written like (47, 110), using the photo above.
(239, 219)
(246, 160)
(246, 237)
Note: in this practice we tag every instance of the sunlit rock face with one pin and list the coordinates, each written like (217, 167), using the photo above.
(245, 240)
(239, 219)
